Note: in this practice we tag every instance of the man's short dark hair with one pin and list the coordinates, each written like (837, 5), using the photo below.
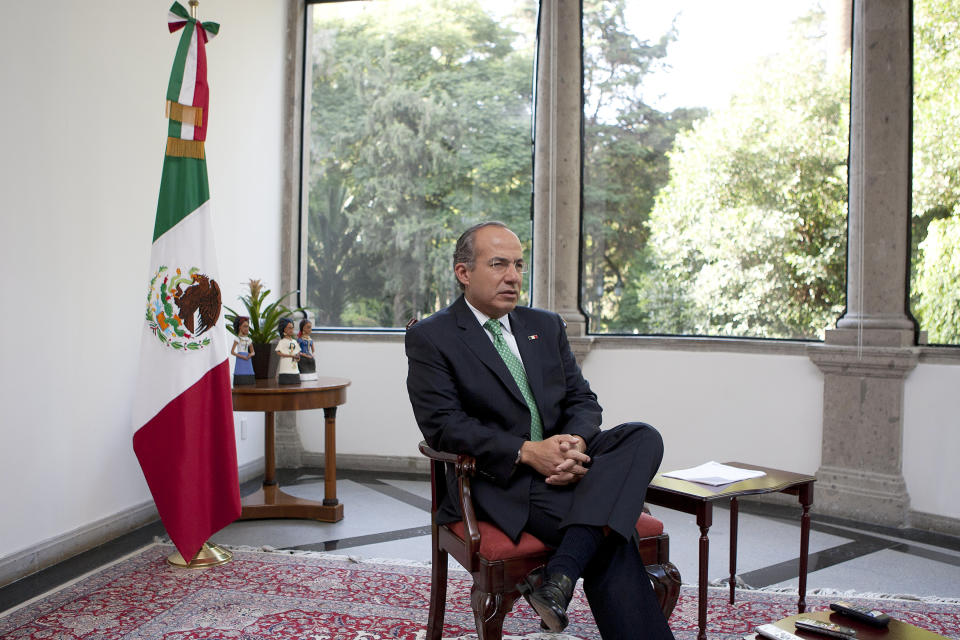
(465, 251)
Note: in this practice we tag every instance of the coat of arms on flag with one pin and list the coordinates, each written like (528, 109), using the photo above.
(183, 409)
(178, 316)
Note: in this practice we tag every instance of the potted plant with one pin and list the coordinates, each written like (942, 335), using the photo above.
(264, 319)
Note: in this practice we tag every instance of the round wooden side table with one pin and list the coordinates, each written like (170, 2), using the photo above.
(267, 396)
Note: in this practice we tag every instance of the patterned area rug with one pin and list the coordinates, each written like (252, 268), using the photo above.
(261, 595)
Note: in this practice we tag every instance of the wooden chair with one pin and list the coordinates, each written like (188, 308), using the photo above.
(497, 564)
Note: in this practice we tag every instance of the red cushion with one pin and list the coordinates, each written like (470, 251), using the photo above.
(495, 545)
(648, 526)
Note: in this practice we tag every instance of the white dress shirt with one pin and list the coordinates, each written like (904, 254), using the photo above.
(504, 323)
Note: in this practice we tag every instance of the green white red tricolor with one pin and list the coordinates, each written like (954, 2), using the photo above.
(182, 411)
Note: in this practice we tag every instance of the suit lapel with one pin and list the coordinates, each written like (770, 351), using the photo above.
(477, 340)
(528, 343)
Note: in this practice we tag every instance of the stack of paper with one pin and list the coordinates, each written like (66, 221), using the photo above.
(714, 473)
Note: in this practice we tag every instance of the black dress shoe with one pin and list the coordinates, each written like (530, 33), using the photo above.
(530, 584)
(549, 597)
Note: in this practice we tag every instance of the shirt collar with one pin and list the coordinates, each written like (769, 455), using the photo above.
(482, 317)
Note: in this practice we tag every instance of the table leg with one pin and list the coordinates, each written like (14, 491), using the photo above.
(806, 499)
(270, 501)
(330, 457)
(269, 453)
(704, 520)
(734, 511)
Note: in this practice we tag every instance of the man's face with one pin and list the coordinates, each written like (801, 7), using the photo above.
(493, 285)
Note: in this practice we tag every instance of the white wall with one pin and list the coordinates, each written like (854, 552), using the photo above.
(708, 406)
(765, 409)
(931, 439)
(83, 132)
(762, 408)
(377, 419)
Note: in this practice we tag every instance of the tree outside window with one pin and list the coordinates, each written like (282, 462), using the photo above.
(419, 125)
(935, 260)
(725, 220)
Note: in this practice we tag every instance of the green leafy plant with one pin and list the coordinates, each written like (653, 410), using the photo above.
(264, 318)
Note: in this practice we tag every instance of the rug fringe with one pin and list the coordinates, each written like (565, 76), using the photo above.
(723, 584)
(356, 559)
(828, 592)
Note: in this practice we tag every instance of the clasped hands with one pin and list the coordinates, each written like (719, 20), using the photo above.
(560, 458)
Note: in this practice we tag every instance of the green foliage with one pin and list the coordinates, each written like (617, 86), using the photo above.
(366, 312)
(936, 168)
(748, 237)
(938, 282)
(264, 318)
(936, 125)
(420, 127)
(625, 163)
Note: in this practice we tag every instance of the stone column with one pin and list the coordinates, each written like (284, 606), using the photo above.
(867, 357)
(879, 206)
(860, 474)
(287, 445)
(293, 106)
(556, 217)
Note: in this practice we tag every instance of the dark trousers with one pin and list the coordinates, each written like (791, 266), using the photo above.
(623, 461)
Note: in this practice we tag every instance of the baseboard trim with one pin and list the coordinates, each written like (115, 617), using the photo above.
(935, 522)
(251, 470)
(57, 549)
(357, 462)
(921, 526)
(50, 552)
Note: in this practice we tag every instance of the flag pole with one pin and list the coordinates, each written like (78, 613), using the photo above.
(193, 8)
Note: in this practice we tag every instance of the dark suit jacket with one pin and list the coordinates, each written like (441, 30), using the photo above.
(465, 401)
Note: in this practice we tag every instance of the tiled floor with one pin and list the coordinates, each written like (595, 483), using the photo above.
(387, 516)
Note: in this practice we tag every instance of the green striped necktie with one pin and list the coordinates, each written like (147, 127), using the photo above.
(516, 370)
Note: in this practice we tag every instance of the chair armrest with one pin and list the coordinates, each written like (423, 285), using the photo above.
(439, 456)
(464, 467)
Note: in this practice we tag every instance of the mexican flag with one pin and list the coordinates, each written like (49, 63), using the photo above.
(182, 410)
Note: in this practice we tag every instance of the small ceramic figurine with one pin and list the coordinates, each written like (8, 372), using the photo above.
(289, 352)
(308, 363)
(243, 350)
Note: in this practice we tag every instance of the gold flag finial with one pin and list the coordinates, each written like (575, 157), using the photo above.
(193, 8)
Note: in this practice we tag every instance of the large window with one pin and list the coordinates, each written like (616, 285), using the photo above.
(715, 166)
(418, 124)
(935, 259)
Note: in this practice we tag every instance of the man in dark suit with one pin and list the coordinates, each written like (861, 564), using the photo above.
(500, 383)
